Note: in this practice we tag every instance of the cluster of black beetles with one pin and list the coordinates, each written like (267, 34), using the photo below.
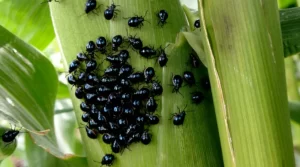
(114, 103)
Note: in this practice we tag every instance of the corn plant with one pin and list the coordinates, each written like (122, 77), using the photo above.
(243, 120)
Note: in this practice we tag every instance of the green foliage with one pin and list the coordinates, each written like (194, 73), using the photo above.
(47, 160)
(294, 107)
(29, 20)
(63, 91)
(28, 83)
(286, 3)
(28, 86)
(68, 131)
(290, 29)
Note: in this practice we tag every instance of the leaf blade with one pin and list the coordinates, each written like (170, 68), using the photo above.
(28, 86)
(28, 20)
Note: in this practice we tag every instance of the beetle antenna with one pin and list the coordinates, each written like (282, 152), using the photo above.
(146, 13)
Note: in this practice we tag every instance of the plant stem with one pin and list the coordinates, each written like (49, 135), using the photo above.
(246, 68)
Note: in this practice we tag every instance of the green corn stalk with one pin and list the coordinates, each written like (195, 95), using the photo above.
(196, 143)
(245, 63)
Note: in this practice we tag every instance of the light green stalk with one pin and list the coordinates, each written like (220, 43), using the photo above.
(246, 68)
(196, 143)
